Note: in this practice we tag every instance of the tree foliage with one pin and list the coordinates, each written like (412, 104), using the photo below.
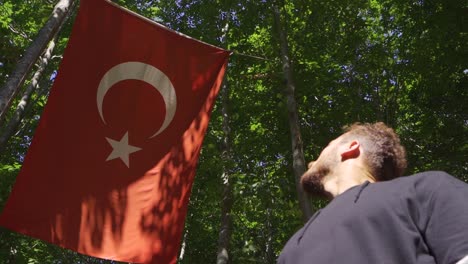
(401, 62)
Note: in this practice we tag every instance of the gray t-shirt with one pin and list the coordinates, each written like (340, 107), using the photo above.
(416, 219)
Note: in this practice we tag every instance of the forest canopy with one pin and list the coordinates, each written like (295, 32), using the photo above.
(312, 65)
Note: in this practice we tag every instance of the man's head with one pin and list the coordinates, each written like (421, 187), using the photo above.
(364, 150)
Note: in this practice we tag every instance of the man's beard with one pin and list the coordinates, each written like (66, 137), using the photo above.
(311, 182)
(312, 179)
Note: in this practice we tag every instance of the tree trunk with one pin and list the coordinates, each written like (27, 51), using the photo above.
(296, 139)
(16, 79)
(226, 220)
(270, 201)
(15, 120)
(182, 247)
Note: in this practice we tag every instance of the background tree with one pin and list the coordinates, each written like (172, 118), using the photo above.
(31, 55)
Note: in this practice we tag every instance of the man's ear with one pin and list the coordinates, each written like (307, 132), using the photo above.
(351, 150)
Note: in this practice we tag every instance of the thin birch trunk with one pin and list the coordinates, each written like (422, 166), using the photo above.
(226, 219)
(17, 117)
(17, 77)
(293, 116)
(182, 247)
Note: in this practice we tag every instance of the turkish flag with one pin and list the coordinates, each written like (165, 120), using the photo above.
(111, 165)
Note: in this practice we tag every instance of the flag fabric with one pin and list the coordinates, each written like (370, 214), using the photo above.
(111, 165)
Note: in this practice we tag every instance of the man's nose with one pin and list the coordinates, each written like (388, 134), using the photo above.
(310, 164)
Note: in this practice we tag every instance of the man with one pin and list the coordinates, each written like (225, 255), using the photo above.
(375, 216)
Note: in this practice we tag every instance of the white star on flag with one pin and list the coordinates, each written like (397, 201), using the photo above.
(121, 149)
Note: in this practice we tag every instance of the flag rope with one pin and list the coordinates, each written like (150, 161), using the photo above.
(233, 52)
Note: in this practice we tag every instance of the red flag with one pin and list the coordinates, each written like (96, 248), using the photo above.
(111, 165)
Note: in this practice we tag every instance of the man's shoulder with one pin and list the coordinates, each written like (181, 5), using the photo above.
(433, 177)
(430, 180)
(432, 174)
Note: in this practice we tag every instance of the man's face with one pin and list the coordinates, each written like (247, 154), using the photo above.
(312, 179)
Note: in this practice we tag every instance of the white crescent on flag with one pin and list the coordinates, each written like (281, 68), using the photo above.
(134, 70)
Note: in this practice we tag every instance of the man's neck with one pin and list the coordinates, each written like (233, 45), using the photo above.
(346, 177)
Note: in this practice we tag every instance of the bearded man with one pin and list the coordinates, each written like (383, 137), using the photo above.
(375, 216)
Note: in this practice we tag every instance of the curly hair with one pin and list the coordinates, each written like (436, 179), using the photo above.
(385, 156)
